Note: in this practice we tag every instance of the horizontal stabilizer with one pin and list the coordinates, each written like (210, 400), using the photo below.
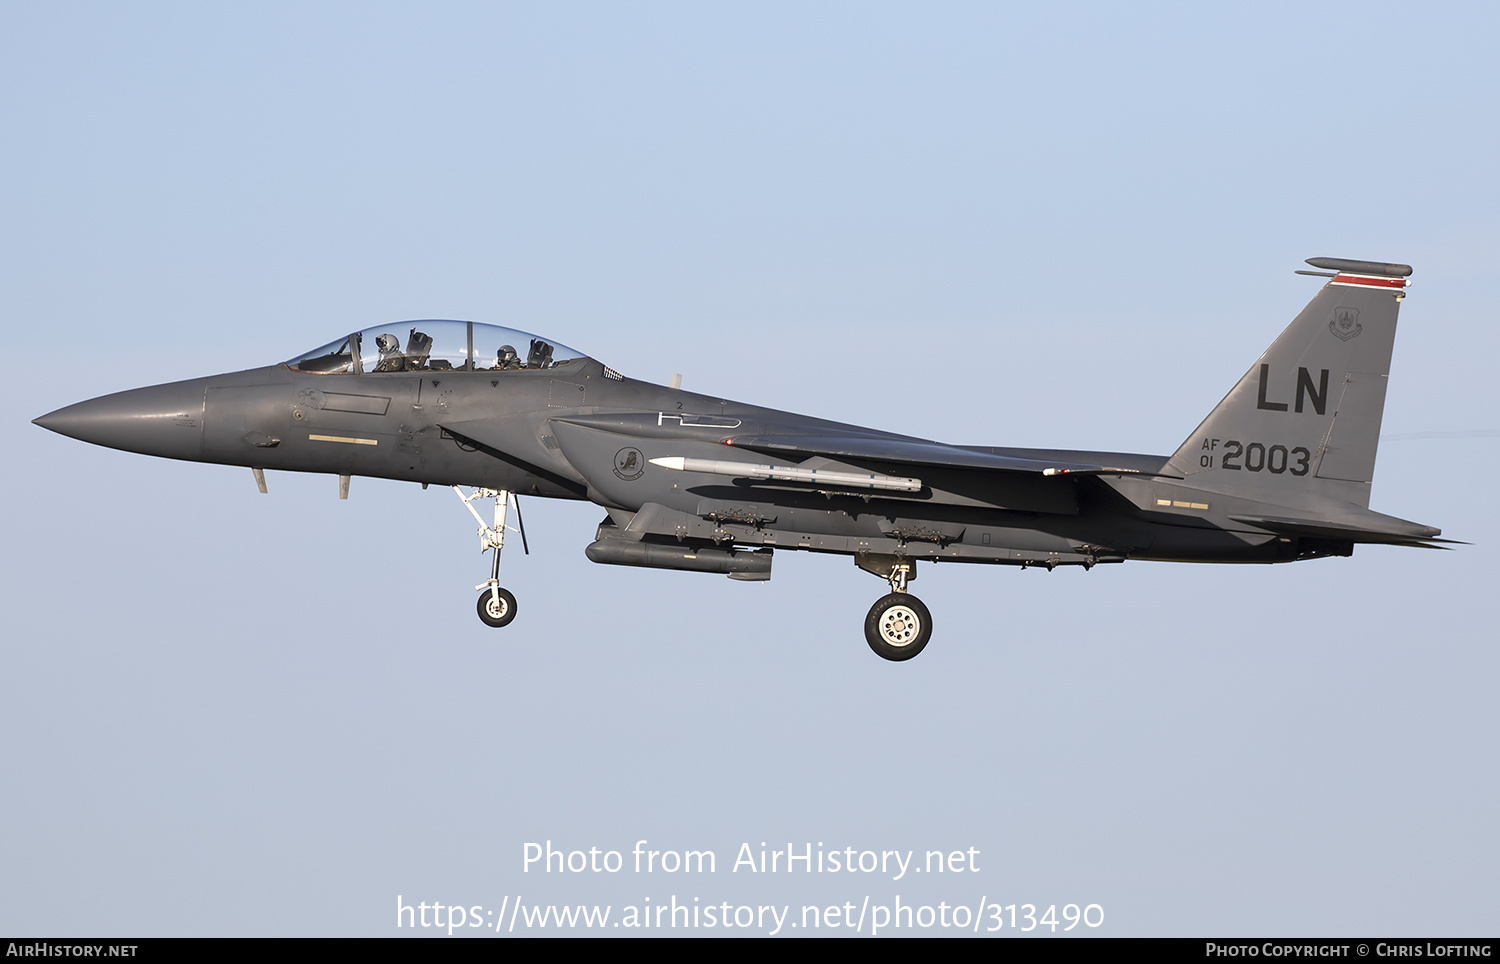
(915, 452)
(1398, 533)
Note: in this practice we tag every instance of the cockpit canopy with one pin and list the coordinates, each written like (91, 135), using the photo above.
(436, 346)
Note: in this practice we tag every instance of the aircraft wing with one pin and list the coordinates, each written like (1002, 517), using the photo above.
(914, 452)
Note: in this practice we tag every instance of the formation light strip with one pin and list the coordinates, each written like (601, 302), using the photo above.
(343, 438)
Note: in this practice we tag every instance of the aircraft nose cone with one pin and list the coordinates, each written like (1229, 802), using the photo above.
(164, 420)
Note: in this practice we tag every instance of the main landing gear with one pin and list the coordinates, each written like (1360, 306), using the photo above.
(497, 605)
(899, 625)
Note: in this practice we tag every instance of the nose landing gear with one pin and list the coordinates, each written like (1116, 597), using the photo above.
(497, 605)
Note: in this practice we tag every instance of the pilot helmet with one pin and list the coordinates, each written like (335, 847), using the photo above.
(505, 355)
(387, 344)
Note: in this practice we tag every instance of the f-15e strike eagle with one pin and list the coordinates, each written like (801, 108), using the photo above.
(1280, 470)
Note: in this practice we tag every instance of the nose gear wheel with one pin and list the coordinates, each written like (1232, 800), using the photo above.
(497, 607)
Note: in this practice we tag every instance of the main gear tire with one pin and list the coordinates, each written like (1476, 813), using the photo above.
(898, 626)
(497, 613)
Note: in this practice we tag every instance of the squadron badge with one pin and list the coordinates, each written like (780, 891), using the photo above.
(630, 464)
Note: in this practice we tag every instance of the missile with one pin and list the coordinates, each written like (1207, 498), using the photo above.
(787, 473)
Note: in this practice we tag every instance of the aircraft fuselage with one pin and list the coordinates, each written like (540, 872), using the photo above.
(1279, 471)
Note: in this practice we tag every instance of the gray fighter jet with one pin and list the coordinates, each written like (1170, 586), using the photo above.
(1280, 470)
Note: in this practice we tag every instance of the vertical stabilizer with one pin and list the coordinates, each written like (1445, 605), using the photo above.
(1302, 425)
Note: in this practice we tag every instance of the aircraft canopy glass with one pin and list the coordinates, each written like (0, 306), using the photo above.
(436, 346)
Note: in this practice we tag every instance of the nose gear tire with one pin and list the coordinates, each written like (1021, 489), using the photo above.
(494, 614)
(898, 626)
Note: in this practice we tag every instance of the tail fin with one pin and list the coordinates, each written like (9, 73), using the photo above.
(1303, 423)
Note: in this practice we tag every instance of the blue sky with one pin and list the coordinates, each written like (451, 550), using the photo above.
(1062, 225)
